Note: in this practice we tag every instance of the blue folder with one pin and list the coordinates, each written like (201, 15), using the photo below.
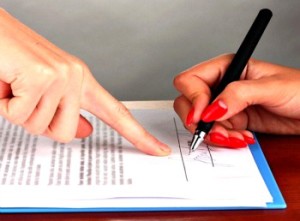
(278, 200)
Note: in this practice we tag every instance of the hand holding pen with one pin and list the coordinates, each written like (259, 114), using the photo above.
(259, 101)
(233, 72)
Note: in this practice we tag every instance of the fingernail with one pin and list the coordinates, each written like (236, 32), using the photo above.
(218, 138)
(190, 117)
(165, 149)
(236, 142)
(214, 111)
(249, 140)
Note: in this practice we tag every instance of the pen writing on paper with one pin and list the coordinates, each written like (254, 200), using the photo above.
(205, 154)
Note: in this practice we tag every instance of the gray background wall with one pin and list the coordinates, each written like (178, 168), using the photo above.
(136, 47)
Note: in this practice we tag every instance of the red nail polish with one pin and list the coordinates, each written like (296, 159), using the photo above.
(214, 111)
(190, 117)
(236, 142)
(218, 138)
(249, 140)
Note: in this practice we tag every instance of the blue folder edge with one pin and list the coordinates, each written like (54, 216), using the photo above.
(262, 164)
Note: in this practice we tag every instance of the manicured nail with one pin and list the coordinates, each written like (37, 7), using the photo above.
(214, 111)
(219, 139)
(190, 117)
(249, 140)
(236, 142)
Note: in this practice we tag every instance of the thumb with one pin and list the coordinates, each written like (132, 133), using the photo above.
(237, 96)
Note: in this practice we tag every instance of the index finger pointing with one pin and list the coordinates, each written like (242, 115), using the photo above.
(99, 102)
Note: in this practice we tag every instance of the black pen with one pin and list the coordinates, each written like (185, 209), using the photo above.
(235, 68)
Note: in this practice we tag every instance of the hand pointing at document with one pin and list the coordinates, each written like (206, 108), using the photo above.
(43, 89)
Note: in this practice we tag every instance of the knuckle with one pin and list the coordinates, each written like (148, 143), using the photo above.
(122, 111)
(72, 73)
(196, 95)
(236, 89)
(17, 118)
(178, 81)
(64, 72)
(78, 66)
(177, 102)
(47, 72)
(59, 72)
(60, 134)
(47, 75)
(34, 129)
(233, 87)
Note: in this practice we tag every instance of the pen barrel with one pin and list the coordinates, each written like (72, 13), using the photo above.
(203, 126)
(237, 65)
(245, 51)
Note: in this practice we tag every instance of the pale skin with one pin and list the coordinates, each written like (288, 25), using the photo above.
(265, 99)
(43, 88)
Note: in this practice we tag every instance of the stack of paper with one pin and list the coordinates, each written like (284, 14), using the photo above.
(106, 171)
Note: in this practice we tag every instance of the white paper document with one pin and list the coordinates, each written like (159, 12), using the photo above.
(104, 170)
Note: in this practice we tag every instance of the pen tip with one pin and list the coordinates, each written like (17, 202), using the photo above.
(197, 140)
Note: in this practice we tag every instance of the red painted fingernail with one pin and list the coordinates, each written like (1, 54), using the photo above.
(190, 117)
(214, 111)
(249, 140)
(218, 138)
(236, 142)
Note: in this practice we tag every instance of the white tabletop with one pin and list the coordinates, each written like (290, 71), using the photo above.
(149, 104)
